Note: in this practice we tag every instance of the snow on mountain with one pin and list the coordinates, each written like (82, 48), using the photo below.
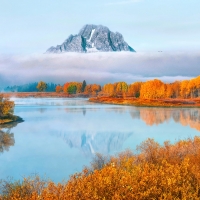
(92, 38)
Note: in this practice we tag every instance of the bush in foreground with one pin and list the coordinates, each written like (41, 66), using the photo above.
(171, 171)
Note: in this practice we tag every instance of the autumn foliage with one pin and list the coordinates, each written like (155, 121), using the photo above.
(152, 89)
(6, 106)
(92, 89)
(42, 86)
(155, 89)
(6, 140)
(134, 89)
(77, 88)
(155, 116)
(6, 110)
(170, 171)
(118, 88)
(59, 88)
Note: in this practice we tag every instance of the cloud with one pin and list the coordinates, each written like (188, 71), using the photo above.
(122, 2)
(97, 67)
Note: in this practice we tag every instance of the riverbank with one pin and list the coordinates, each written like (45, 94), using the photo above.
(10, 119)
(44, 95)
(147, 102)
(6, 111)
(195, 102)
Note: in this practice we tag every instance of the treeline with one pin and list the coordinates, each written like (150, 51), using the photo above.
(68, 87)
(153, 89)
(30, 87)
(77, 87)
(168, 171)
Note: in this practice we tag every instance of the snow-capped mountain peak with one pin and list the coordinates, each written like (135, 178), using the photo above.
(93, 38)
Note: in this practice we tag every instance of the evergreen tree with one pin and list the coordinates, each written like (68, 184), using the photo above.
(83, 86)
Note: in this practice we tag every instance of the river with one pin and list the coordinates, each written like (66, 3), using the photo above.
(59, 136)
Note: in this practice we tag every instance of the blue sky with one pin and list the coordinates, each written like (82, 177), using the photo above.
(29, 27)
(32, 26)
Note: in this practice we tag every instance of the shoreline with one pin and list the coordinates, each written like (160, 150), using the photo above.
(44, 95)
(131, 101)
(11, 119)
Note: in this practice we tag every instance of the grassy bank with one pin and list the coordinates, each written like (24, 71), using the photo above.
(147, 102)
(168, 171)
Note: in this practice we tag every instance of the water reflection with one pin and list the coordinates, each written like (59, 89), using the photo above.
(50, 101)
(102, 142)
(60, 136)
(84, 112)
(42, 110)
(6, 137)
(155, 116)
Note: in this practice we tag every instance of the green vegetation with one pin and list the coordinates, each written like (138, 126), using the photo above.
(30, 87)
(168, 171)
(83, 86)
(72, 89)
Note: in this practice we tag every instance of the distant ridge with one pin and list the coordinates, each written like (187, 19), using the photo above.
(93, 38)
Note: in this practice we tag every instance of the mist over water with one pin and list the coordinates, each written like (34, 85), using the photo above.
(59, 136)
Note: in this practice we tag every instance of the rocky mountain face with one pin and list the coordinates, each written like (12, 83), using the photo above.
(92, 38)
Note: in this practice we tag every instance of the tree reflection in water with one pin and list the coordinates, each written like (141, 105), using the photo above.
(155, 116)
(6, 137)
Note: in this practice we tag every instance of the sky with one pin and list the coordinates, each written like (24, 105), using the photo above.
(28, 28)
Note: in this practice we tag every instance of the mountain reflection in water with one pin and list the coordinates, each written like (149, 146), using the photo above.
(155, 116)
(60, 135)
(90, 143)
(105, 142)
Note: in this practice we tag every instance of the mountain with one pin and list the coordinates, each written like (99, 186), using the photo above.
(92, 38)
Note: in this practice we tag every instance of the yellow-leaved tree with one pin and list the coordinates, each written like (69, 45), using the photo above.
(153, 89)
(6, 106)
(42, 86)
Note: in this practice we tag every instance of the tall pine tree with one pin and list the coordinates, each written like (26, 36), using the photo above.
(83, 86)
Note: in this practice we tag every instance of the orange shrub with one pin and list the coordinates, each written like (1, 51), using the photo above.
(59, 88)
(171, 171)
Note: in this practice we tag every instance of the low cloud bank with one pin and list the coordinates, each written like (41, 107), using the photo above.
(98, 67)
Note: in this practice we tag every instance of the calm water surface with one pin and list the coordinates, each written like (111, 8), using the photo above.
(59, 136)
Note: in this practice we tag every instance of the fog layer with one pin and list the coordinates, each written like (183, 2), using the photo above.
(98, 67)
